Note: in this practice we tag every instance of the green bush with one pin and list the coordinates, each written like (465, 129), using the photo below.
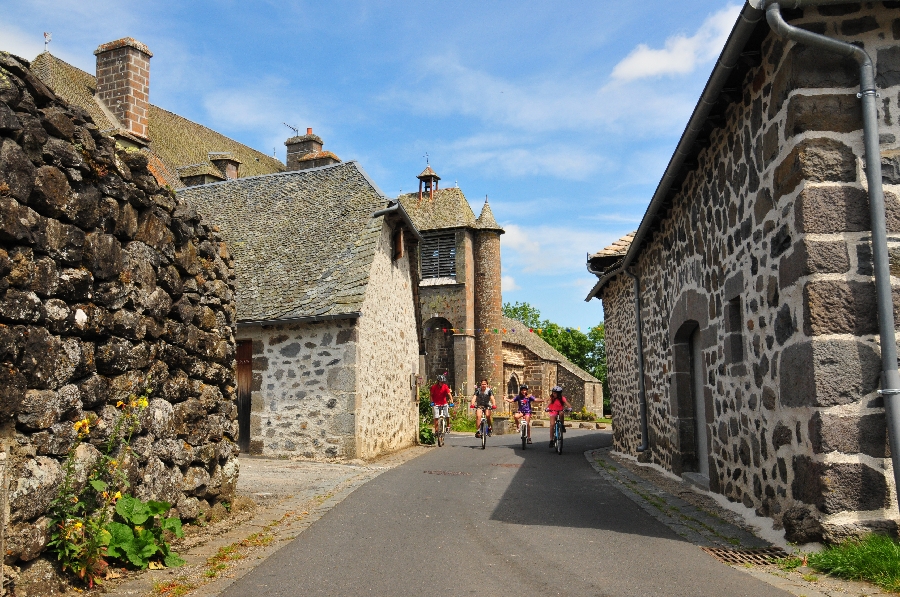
(133, 538)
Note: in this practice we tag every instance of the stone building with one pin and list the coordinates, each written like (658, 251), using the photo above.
(327, 341)
(109, 284)
(180, 152)
(460, 306)
(752, 270)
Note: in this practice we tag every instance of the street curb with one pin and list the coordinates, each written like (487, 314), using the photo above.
(284, 521)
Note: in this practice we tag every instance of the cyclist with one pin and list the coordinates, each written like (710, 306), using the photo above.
(556, 407)
(441, 397)
(524, 400)
(484, 397)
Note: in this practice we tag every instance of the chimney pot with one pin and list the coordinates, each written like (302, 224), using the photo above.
(309, 130)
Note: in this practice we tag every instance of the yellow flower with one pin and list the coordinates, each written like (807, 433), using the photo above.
(118, 495)
(142, 403)
(74, 499)
(119, 404)
(133, 403)
(77, 525)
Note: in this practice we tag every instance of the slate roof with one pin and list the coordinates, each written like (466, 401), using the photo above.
(448, 209)
(302, 241)
(533, 342)
(176, 141)
(486, 220)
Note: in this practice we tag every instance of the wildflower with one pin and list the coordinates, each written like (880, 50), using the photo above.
(120, 404)
(105, 494)
(142, 403)
(74, 499)
(118, 495)
(78, 525)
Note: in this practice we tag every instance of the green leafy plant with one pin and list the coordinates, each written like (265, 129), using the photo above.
(91, 522)
(137, 533)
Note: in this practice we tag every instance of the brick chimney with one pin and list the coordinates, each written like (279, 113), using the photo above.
(304, 152)
(123, 83)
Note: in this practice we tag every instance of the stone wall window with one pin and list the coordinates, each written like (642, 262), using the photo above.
(439, 256)
(734, 337)
(397, 244)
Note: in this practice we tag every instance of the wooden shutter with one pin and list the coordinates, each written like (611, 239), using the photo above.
(439, 256)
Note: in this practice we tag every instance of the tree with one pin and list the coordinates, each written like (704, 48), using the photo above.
(523, 312)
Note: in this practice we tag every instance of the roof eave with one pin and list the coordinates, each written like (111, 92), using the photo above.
(740, 34)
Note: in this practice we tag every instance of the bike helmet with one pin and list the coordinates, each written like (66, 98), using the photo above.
(442, 378)
(557, 389)
(524, 386)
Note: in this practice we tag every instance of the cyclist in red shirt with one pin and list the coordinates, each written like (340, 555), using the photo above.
(556, 407)
(441, 397)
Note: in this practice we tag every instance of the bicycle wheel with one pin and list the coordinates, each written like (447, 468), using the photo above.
(524, 433)
(559, 437)
(442, 429)
(484, 428)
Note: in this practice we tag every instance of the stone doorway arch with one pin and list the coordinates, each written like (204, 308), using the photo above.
(438, 340)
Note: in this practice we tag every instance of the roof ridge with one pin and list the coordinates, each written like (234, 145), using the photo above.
(290, 172)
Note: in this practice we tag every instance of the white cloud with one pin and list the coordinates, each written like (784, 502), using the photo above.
(681, 54)
(551, 249)
(508, 284)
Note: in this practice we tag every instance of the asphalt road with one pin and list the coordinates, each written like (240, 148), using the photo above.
(464, 521)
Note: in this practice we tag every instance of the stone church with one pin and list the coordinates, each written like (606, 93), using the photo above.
(460, 309)
(742, 329)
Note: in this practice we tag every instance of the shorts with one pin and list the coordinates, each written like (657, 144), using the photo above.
(441, 411)
(486, 406)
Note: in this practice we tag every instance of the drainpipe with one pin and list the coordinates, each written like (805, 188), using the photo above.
(642, 391)
(890, 378)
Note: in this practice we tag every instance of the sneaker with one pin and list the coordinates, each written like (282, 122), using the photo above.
(529, 440)
(552, 443)
(490, 431)
(478, 434)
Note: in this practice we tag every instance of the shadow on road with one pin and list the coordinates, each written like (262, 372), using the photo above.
(561, 490)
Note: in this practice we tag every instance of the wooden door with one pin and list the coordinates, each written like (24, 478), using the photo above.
(244, 378)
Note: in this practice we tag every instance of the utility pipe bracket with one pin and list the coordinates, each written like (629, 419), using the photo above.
(889, 392)
(873, 92)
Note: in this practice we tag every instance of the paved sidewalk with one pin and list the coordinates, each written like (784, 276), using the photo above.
(292, 495)
(706, 524)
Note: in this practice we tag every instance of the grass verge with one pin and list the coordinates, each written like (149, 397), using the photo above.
(875, 559)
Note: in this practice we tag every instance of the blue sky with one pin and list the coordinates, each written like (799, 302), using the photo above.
(564, 114)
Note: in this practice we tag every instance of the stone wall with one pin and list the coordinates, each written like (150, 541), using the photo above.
(387, 358)
(454, 303)
(108, 284)
(764, 263)
(488, 308)
(303, 391)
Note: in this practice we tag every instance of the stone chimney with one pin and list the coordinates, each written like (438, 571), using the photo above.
(123, 83)
(304, 152)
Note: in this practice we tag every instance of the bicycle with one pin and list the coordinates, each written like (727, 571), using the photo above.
(442, 423)
(559, 428)
(483, 427)
(523, 427)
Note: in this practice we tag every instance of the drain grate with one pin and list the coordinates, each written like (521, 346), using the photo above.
(451, 473)
(508, 465)
(763, 555)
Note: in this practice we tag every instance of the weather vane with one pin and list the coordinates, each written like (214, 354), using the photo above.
(426, 159)
(48, 37)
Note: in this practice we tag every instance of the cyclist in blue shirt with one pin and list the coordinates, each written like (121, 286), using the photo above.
(524, 400)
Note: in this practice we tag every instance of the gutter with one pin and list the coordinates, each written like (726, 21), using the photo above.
(642, 390)
(868, 93)
(307, 319)
(726, 63)
(395, 207)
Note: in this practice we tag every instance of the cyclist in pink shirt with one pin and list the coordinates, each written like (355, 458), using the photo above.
(556, 407)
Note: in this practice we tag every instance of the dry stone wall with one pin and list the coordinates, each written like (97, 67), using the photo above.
(765, 258)
(108, 284)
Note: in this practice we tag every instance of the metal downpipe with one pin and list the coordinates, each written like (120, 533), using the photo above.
(642, 390)
(890, 378)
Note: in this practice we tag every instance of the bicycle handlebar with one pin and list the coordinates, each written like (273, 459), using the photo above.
(477, 406)
(567, 410)
(448, 404)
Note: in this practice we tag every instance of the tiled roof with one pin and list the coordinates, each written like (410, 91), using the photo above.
(198, 169)
(428, 173)
(617, 249)
(517, 333)
(448, 209)
(486, 220)
(318, 155)
(177, 141)
(302, 241)
(223, 155)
